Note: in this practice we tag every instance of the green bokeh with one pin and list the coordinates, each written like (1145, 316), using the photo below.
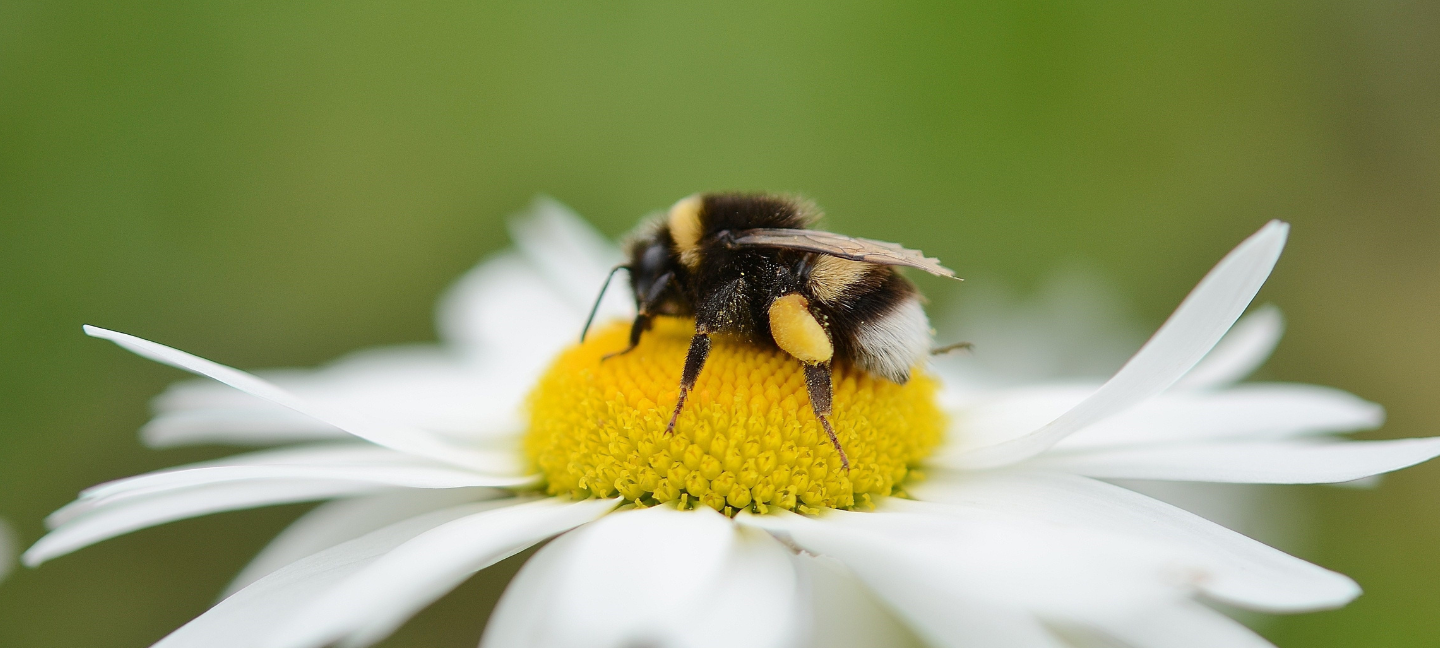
(276, 183)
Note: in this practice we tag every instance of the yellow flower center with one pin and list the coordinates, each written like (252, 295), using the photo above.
(747, 438)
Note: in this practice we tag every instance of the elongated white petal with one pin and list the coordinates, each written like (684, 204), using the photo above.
(996, 418)
(523, 305)
(504, 308)
(655, 576)
(372, 603)
(1181, 625)
(250, 616)
(1238, 570)
(409, 440)
(426, 387)
(332, 523)
(748, 596)
(1293, 462)
(636, 571)
(399, 476)
(235, 426)
(1199, 322)
(1252, 412)
(371, 463)
(343, 462)
(519, 617)
(568, 253)
(924, 568)
(139, 513)
(1247, 412)
(759, 574)
(1247, 346)
(475, 402)
(844, 613)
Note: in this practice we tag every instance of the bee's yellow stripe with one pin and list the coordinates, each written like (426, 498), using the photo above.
(685, 229)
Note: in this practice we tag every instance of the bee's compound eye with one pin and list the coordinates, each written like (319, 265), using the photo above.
(652, 262)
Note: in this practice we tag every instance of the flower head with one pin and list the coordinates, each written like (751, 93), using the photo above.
(435, 463)
(747, 442)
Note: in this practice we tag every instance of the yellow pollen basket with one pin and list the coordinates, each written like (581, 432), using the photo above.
(747, 438)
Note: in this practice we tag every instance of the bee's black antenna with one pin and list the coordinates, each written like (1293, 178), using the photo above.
(596, 308)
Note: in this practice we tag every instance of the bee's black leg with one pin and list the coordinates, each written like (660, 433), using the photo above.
(694, 362)
(642, 320)
(640, 325)
(817, 382)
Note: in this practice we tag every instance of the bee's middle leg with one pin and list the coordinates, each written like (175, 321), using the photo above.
(694, 362)
(817, 382)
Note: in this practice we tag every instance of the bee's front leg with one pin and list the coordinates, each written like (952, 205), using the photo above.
(639, 326)
(642, 319)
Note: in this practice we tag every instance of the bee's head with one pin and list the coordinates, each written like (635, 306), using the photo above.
(652, 261)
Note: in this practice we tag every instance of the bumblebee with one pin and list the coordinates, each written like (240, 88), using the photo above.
(748, 265)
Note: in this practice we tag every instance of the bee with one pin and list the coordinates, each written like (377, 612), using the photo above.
(748, 265)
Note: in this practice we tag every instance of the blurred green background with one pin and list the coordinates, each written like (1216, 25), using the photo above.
(276, 183)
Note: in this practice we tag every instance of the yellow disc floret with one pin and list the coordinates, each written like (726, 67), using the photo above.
(747, 438)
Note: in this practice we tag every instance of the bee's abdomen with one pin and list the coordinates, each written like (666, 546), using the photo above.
(881, 328)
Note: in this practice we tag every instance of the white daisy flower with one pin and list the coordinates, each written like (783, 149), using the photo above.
(741, 528)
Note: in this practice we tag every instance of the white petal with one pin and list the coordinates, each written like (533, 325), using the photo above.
(1273, 515)
(537, 297)
(844, 613)
(409, 440)
(1247, 346)
(397, 476)
(1182, 625)
(519, 617)
(634, 572)
(1238, 570)
(1294, 462)
(249, 616)
(343, 462)
(332, 523)
(1252, 412)
(505, 308)
(235, 426)
(570, 254)
(475, 401)
(372, 603)
(1199, 322)
(655, 576)
(759, 575)
(205, 393)
(991, 419)
(425, 387)
(143, 512)
(913, 569)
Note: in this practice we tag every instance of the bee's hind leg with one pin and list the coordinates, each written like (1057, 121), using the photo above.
(817, 382)
(694, 362)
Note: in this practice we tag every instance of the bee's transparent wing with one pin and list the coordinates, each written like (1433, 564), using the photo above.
(845, 247)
